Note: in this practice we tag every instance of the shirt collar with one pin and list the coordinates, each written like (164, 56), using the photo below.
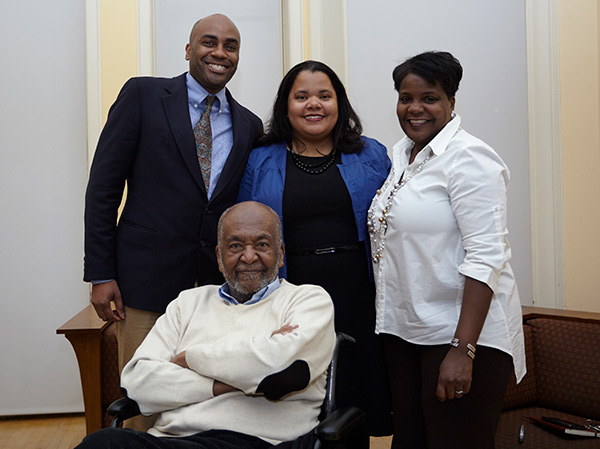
(225, 293)
(438, 144)
(197, 94)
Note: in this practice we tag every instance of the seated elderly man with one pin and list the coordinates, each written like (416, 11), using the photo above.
(237, 366)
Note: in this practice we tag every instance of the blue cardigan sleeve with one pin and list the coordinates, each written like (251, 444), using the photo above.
(264, 178)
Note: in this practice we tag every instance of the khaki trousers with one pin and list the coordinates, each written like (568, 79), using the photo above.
(130, 334)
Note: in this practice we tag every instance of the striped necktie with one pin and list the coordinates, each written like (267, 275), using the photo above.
(203, 135)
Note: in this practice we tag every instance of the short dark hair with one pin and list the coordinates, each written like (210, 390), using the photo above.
(346, 134)
(435, 67)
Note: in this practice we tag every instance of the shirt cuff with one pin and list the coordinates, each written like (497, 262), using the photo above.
(103, 281)
(482, 274)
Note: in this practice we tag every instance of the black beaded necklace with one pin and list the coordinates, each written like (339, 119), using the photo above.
(313, 169)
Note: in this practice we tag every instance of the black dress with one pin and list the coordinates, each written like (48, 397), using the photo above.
(318, 214)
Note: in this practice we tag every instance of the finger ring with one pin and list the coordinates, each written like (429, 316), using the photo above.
(459, 391)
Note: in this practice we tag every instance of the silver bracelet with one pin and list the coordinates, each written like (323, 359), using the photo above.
(470, 348)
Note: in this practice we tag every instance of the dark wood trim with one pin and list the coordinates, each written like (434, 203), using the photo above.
(84, 331)
(530, 312)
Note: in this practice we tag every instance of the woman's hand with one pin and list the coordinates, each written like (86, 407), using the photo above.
(454, 379)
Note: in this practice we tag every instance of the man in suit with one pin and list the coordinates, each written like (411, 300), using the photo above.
(165, 238)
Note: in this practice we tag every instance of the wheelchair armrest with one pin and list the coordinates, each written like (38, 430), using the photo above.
(122, 409)
(339, 424)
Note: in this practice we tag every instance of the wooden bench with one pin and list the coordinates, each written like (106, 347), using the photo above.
(95, 345)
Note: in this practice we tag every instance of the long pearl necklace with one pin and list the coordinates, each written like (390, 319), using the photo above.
(378, 235)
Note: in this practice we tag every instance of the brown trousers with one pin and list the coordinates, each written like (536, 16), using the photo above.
(421, 421)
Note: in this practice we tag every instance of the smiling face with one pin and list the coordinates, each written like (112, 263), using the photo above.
(213, 52)
(312, 107)
(250, 251)
(423, 109)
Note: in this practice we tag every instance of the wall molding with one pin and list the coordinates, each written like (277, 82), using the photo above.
(546, 189)
(316, 29)
(293, 33)
(93, 76)
(146, 47)
(146, 61)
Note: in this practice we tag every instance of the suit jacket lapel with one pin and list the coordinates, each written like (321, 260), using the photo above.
(176, 107)
(241, 145)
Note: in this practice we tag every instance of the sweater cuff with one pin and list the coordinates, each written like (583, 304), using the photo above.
(197, 361)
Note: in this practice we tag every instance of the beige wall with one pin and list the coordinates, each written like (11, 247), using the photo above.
(118, 48)
(579, 50)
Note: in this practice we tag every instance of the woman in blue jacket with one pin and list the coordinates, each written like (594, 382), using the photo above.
(319, 174)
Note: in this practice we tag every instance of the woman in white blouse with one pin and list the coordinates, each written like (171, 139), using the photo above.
(447, 303)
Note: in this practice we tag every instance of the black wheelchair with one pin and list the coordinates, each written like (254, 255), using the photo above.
(335, 427)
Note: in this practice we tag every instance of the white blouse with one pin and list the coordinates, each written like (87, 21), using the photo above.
(446, 222)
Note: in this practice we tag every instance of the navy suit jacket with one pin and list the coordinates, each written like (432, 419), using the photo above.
(166, 236)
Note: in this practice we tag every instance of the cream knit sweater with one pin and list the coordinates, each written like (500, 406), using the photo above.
(233, 344)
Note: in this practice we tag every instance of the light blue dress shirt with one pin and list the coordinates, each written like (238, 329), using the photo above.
(224, 292)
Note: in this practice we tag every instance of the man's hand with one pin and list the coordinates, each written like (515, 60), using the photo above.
(179, 359)
(102, 296)
(285, 329)
(218, 387)
(221, 388)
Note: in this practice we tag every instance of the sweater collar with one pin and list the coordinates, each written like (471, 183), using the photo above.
(225, 293)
